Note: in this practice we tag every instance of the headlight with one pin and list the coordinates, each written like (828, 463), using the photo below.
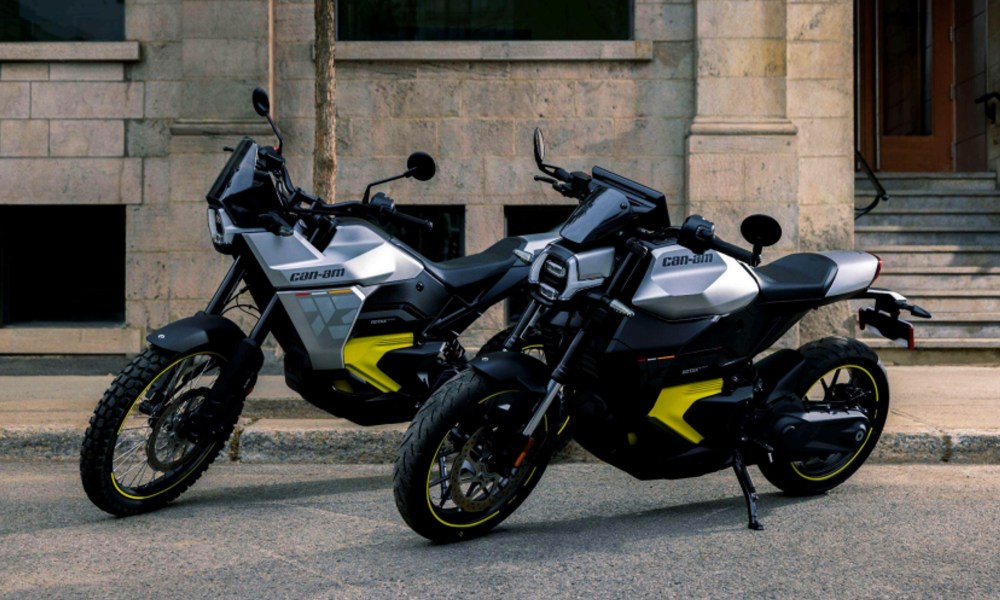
(215, 227)
(561, 277)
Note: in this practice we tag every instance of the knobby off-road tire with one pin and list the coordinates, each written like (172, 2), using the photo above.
(858, 372)
(450, 422)
(130, 460)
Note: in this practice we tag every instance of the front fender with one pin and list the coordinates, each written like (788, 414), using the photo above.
(199, 332)
(514, 367)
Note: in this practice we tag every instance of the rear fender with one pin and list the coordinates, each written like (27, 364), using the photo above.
(199, 332)
(779, 374)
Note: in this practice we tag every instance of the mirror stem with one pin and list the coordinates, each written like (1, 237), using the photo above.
(368, 190)
(277, 133)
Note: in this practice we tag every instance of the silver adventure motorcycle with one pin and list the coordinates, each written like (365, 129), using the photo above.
(368, 326)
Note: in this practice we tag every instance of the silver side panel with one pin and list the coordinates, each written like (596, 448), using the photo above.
(357, 255)
(330, 316)
(855, 271)
(681, 284)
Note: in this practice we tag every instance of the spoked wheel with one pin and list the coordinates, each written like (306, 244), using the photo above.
(134, 458)
(841, 374)
(462, 469)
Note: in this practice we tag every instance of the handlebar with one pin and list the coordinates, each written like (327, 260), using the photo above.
(698, 235)
(735, 251)
(405, 218)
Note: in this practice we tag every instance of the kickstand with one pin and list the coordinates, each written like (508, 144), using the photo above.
(749, 493)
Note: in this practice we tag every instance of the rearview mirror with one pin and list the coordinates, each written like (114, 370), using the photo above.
(761, 231)
(261, 103)
(539, 148)
(420, 166)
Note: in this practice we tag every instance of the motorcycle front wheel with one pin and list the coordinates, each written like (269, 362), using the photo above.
(462, 469)
(133, 460)
(840, 373)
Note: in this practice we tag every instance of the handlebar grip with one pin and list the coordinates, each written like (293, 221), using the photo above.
(732, 250)
(405, 218)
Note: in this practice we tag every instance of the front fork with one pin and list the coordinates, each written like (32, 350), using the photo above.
(238, 376)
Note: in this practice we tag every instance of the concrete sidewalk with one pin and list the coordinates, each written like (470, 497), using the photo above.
(937, 414)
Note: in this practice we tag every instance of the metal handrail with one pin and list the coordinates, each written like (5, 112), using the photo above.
(880, 193)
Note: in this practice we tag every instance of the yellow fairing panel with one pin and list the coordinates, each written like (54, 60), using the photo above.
(673, 402)
(361, 356)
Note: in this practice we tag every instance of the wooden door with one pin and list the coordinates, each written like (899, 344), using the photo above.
(905, 76)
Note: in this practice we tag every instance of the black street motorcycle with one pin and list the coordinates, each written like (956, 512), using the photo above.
(369, 327)
(653, 333)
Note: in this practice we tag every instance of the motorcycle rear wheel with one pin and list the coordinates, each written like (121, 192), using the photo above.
(448, 483)
(839, 371)
(132, 460)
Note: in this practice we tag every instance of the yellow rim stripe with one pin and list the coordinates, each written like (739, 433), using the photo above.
(135, 402)
(430, 472)
(863, 446)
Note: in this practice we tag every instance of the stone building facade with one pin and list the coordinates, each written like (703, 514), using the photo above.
(729, 107)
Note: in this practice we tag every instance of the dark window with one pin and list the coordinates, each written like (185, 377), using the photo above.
(62, 264)
(522, 220)
(448, 20)
(445, 241)
(62, 21)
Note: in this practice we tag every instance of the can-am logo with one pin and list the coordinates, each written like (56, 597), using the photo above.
(687, 259)
(310, 275)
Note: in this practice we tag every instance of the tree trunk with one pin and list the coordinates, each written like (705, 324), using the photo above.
(325, 158)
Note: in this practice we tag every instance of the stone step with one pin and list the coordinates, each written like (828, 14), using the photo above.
(956, 301)
(986, 180)
(946, 255)
(973, 218)
(905, 280)
(953, 326)
(939, 351)
(866, 236)
(968, 199)
(941, 303)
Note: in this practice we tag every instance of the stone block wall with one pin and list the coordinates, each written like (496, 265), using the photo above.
(625, 106)
(63, 140)
(727, 106)
(143, 123)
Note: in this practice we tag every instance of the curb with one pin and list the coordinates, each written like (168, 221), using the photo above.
(256, 444)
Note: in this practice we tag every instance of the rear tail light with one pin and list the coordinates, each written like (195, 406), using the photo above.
(878, 270)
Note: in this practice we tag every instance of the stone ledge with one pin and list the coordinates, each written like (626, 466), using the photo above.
(70, 340)
(638, 51)
(757, 127)
(69, 51)
(198, 128)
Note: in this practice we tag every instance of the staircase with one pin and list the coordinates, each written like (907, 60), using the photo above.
(939, 239)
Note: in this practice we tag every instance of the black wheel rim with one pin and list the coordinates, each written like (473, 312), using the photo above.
(464, 488)
(845, 386)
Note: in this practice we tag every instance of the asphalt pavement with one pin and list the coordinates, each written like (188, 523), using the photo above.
(588, 531)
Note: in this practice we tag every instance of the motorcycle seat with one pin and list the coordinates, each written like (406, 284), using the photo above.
(467, 275)
(803, 276)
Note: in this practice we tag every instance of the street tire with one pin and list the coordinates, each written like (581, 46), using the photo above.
(446, 432)
(837, 361)
(131, 462)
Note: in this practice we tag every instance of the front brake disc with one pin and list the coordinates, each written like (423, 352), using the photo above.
(166, 449)
(475, 484)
